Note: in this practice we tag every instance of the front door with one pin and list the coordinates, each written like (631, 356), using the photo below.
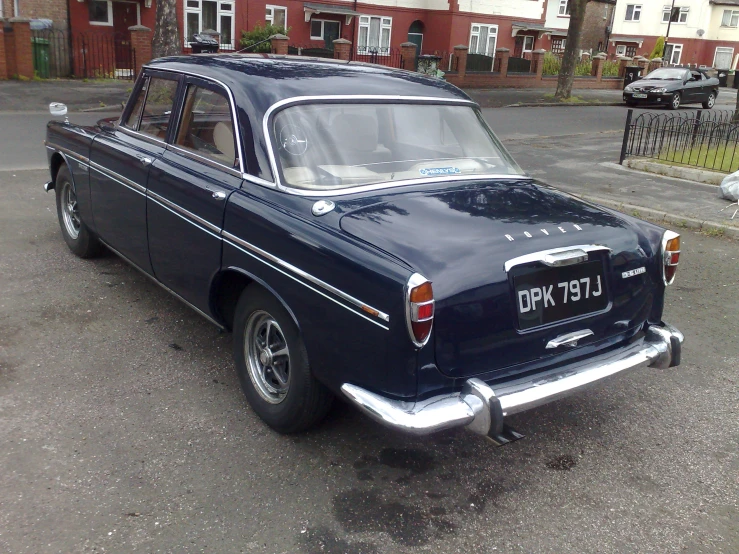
(417, 39)
(330, 33)
(120, 161)
(125, 15)
(187, 193)
(518, 47)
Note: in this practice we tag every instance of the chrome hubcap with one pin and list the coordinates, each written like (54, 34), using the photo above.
(267, 357)
(711, 100)
(70, 212)
(676, 101)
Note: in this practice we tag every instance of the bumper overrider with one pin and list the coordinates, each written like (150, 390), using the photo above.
(483, 409)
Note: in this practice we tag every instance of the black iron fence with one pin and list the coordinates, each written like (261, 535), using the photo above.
(479, 62)
(90, 55)
(309, 50)
(389, 57)
(701, 138)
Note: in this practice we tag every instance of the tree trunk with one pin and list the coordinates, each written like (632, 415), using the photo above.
(569, 59)
(166, 32)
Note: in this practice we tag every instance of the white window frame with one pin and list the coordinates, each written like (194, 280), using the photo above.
(271, 17)
(492, 33)
(620, 49)
(733, 18)
(386, 23)
(219, 13)
(682, 17)
(564, 6)
(679, 49)
(323, 25)
(725, 49)
(108, 23)
(533, 40)
(635, 11)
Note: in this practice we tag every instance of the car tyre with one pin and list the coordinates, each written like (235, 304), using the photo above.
(272, 365)
(80, 240)
(710, 101)
(675, 101)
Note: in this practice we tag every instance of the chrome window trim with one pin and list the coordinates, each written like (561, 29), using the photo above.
(541, 255)
(231, 101)
(414, 281)
(62, 150)
(252, 250)
(257, 180)
(143, 136)
(165, 287)
(364, 99)
(185, 214)
(118, 178)
(202, 159)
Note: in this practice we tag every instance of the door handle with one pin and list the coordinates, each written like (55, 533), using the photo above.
(219, 195)
(570, 339)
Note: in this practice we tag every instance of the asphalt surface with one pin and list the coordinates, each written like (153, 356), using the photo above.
(123, 429)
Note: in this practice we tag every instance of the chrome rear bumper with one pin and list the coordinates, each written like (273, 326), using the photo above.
(482, 409)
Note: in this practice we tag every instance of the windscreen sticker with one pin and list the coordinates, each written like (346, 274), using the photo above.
(431, 171)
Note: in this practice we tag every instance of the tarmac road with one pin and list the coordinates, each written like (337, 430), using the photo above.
(123, 429)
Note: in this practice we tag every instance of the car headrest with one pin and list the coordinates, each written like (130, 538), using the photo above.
(355, 132)
(223, 138)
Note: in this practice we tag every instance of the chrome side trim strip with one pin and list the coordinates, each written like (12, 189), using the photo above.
(76, 157)
(165, 287)
(185, 214)
(119, 178)
(232, 102)
(550, 258)
(278, 263)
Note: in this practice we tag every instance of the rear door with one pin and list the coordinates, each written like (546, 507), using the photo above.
(188, 190)
(119, 167)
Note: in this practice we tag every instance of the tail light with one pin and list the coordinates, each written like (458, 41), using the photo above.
(419, 309)
(670, 256)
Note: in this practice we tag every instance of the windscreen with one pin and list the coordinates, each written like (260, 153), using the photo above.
(336, 146)
(667, 74)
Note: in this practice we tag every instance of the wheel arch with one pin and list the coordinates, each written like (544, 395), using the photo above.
(226, 288)
(58, 159)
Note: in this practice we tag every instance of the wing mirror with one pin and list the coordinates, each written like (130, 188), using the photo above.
(57, 109)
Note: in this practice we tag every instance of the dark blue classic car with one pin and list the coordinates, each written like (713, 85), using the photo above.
(363, 233)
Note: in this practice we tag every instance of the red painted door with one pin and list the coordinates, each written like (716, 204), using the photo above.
(125, 15)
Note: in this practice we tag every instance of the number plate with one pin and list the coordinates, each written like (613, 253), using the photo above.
(638, 95)
(553, 294)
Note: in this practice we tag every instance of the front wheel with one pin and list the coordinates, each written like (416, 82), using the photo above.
(675, 101)
(710, 101)
(272, 365)
(78, 237)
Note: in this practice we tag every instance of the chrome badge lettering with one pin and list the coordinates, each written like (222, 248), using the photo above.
(633, 272)
(526, 234)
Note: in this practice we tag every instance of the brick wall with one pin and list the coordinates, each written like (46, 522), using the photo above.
(56, 10)
(486, 79)
(597, 18)
(11, 68)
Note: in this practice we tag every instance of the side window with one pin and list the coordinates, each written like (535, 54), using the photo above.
(158, 107)
(132, 122)
(206, 127)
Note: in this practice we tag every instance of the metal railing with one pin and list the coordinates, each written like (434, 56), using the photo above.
(389, 57)
(703, 138)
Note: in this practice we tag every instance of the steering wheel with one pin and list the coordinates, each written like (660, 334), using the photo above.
(293, 139)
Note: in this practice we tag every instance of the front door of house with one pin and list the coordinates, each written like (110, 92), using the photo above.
(125, 15)
(330, 33)
(518, 47)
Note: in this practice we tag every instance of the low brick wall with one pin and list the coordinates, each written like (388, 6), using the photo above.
(488, 79)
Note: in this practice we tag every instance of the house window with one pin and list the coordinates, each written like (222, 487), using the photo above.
(673, 53)
(210, 15)
(558, 45)
(277, 16)
(564, 7)
(101, 12)
(483, 39)
(675, 15)
(374, 34)
(528, 43)
(723, 57)
(730, 18)
(621, 50)
(631, 51)
(322, 29)
(633, 12)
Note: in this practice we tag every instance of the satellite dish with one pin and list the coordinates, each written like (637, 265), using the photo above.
(700, 32)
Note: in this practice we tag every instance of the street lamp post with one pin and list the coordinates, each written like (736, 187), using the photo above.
(667, 34)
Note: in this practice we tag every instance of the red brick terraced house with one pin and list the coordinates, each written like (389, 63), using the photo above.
(701, 32)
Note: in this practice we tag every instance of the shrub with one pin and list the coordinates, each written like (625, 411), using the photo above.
(610, 68)
(551, 64)
(261, 33)
(658, 49)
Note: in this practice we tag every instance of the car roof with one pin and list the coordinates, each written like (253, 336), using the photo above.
(268, 78)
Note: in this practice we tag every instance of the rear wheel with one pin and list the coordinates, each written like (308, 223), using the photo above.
(78, 237)
(272, 365)
(675, 101)
(710, 101)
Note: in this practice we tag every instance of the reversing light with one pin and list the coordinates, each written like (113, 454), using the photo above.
(419, 309)
(670, 256)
